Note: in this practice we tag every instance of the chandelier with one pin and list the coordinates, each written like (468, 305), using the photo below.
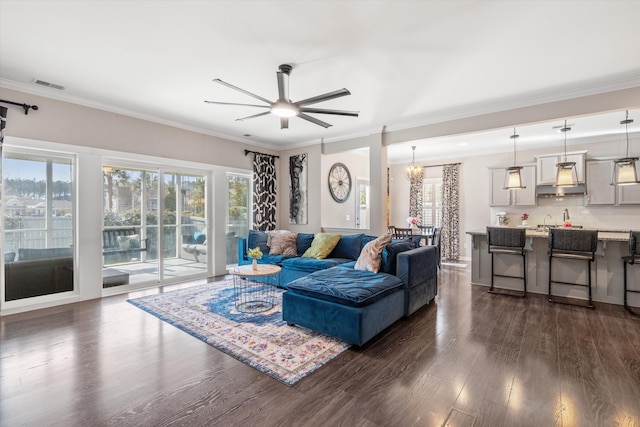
(413, 170)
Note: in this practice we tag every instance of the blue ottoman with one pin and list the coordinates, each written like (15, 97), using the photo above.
(351, 305)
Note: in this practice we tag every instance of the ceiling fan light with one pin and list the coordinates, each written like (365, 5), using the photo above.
(567, 175)
(513, 179)
(625, 172)
(284, 109)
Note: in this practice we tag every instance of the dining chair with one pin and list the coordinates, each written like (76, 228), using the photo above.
(402, 233)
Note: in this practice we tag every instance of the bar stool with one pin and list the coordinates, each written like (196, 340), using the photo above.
(631, 259)
(578, 245)
(510, 241)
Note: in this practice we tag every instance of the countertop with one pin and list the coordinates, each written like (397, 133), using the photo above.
(604, 235)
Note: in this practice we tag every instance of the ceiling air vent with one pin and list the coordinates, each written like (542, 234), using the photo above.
(47, 84)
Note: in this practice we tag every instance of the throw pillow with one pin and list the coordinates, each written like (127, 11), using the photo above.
(370, 257)
(129, 242)
(390, 254)
(347, 247)
(282, 242)
(322, 245)
(304, 242)
(258, 238)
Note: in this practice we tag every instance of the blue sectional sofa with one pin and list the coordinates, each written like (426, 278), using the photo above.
(330, 296)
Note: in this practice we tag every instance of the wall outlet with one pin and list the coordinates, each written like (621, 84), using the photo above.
(348, 217)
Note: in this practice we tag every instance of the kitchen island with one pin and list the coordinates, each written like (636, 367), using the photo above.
(607, 270)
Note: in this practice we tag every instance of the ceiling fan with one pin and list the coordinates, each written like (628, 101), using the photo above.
(284, 108)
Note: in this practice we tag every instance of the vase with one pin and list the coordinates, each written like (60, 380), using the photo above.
(254, 264)
(524, 222)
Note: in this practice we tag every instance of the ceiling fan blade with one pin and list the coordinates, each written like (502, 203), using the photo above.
(283, 86)
(233, 103)
(325, 97)
(314, 120)
(284, 122)
(334, 112)
(252, 117)
(242, 90)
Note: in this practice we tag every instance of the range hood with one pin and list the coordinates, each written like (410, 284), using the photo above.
(550, 190)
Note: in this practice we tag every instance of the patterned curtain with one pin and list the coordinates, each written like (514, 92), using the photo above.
(450, 235)
(416, 195)
(264, 192)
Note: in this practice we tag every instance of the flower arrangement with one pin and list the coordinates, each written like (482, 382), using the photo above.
(255, 253)
(524, 217)
(412, 220)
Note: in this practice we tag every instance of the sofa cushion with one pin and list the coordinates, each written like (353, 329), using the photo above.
(282, 242)
(370, 257)
(390, 254)
(258, 238)
(322, 245)
(28, 254)
(303, 242)
(347, 247)
(312, 264)
(356, 288)
(274, 259)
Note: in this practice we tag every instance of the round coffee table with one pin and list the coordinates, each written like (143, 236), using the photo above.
(255, 290)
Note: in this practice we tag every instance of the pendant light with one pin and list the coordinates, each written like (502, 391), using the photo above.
(513, 179)
(413, 170)
(566, 175)
(624, 171)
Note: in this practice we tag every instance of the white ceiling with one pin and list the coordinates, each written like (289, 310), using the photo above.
(406, 63)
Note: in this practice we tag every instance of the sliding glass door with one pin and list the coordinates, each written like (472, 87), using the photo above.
(154, 225)
(38, 195)
(238, 213)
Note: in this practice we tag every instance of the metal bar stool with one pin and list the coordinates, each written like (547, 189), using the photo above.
(577, 245)
(510, 241)
(631, 259)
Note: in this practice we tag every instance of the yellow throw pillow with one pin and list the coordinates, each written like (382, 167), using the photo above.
(371, 256)
(322, 245)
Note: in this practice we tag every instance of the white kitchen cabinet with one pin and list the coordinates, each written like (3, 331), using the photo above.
(546, 172)
(522, 197)
(629, 194)
(599, 188)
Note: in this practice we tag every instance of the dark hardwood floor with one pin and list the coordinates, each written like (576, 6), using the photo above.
(471, 359)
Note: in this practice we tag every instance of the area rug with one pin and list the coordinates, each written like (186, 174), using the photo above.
(261, 340)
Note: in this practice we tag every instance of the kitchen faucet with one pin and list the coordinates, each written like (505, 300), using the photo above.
(544, 222)
(565, 215)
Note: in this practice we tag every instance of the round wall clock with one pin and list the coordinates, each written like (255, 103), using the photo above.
(339, 182)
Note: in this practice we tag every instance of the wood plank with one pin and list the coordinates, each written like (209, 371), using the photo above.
(472, 358)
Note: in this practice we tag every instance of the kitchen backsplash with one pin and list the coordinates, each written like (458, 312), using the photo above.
(600, 217)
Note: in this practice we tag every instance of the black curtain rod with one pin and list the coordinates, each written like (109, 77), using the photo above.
(19, 104)
(444, 164)
(262, 154)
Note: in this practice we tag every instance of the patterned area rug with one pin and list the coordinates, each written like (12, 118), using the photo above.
(261, 340)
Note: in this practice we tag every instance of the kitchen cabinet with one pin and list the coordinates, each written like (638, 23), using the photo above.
(522, 197)
(546, 166)
(599, 188)
(629, 194)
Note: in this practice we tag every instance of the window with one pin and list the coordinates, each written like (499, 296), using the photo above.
(38, 224)
(432, 202)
